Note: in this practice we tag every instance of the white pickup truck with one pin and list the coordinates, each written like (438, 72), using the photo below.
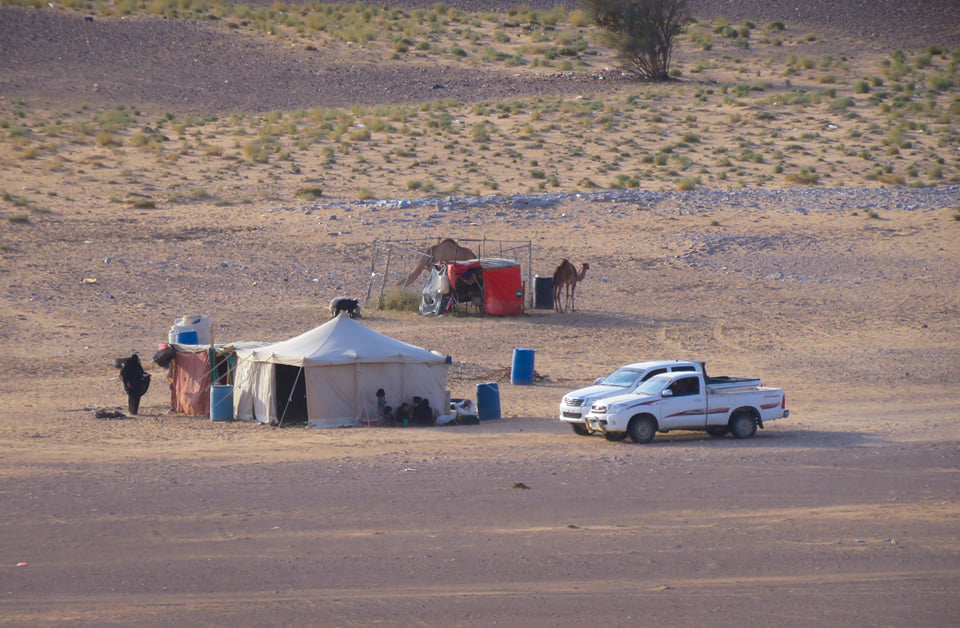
(575, 404)
(686, 401)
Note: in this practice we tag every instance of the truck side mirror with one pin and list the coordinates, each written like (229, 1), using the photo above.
(666, 393)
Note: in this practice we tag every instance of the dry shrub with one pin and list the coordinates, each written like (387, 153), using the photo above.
(400, 300)
(805, 176)
(105, 139)
(361, 134)
(309, 194)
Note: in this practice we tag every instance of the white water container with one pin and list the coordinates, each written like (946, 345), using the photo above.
(200, 324)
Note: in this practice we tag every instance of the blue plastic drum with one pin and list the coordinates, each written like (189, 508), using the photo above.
(221, 403)
(488, 401)
(521, 372)
(189, 337)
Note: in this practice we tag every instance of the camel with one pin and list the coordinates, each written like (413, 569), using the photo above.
(566, 276)
(446, 250)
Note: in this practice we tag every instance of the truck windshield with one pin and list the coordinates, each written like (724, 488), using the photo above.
(653, 385)
(624, 378)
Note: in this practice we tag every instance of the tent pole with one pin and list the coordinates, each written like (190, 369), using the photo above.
(290, 398)
(530, 270)
(383, 284)
(373, 269)
(356, 392)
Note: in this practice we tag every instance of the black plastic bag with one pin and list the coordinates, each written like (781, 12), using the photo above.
(163, 357)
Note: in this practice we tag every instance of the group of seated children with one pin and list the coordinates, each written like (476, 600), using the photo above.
(420, 415)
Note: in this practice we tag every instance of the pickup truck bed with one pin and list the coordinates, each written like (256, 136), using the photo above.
(725, 381)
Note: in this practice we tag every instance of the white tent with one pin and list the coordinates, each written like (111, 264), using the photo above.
(329, 376)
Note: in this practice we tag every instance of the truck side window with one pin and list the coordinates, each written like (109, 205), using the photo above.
(652, 373)
(681, 369)
(685, 386)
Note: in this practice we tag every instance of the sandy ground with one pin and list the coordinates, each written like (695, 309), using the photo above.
(844, 514)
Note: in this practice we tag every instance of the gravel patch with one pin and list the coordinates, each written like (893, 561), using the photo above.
(61, 59)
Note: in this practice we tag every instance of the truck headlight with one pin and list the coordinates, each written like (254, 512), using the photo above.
(613, 408)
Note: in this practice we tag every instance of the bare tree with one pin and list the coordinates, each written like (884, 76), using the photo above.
(641, 31)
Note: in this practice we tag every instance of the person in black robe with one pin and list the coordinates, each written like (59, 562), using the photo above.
(423, 414)
(135, 382)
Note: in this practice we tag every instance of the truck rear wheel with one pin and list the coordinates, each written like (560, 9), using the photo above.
(581, 429)
(641, 429)
(743, 425)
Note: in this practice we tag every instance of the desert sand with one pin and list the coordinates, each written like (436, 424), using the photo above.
(843, 514)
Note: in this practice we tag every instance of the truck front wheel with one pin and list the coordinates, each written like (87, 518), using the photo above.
(743, 425)
(641, 429)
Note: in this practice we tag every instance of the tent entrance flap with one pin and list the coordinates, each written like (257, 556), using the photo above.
(291, 394)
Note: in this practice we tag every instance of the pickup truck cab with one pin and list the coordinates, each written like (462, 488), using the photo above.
(686, 401)
(625, 380)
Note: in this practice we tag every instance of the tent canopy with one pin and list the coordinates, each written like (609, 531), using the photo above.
(341, 341)
(329, 376)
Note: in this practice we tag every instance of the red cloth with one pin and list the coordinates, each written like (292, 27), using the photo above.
(190, 383)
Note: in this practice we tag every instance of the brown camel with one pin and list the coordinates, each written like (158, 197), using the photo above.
(566, 276)
(446, 250)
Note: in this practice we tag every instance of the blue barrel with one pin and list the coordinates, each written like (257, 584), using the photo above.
(189, 337)
(221, 403)
(543, 292)
(522, 371)
(488, 401)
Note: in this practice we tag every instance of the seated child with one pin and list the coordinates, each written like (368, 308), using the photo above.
(403, 415)
(389, 420)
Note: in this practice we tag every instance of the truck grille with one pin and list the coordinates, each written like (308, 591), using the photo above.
(575, 403)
